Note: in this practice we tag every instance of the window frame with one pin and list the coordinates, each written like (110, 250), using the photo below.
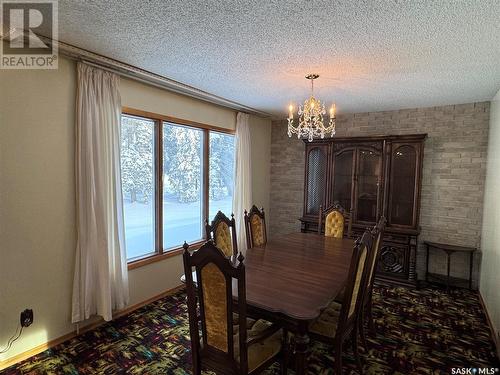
(159, 252)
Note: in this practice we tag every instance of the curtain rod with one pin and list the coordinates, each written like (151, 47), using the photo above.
(153, 79)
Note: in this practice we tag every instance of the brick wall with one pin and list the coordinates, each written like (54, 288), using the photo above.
(453, 173)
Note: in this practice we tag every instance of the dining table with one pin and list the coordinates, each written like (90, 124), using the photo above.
(292, 278)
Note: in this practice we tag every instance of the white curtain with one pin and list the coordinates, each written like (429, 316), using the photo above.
(100, 282)
(242, 199)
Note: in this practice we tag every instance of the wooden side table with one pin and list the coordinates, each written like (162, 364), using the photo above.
(448, 249)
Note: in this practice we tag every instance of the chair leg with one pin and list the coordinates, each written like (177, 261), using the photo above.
(371, 323)
(338, 358)
(284, 361)
(196, 367)
(355, 349)
(361, 330)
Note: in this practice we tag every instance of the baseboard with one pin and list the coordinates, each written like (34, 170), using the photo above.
(49, 344)
(490, 324)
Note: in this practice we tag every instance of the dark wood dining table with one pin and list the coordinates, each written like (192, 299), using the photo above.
(292, 278)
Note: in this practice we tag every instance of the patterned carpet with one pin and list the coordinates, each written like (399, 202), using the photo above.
(422, 331)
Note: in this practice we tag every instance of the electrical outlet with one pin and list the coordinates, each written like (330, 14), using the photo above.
(26, 318)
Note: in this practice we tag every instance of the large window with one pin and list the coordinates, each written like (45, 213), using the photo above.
(175, 175)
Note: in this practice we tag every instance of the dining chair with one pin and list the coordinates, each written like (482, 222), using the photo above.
(255, 227)
(338, 322)
(227, 345)
(334, 218)
(366, 311)
(223, 232)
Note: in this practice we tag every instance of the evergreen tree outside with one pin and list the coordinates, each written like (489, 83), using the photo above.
(182, 162)
(221, 165)
(137, 155)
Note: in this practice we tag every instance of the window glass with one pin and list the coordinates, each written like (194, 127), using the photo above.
(184, 177)
(182, 185)
(221, 174)
(137, 170)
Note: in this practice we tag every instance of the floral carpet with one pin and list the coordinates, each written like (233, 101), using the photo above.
(423, 331)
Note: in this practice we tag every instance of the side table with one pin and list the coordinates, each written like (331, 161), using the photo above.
(448, 249)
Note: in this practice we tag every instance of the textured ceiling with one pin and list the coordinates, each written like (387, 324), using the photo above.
(371, 55)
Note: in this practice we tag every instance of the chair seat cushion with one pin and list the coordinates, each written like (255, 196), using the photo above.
(236, 323)
(326, 324)
(259, 352)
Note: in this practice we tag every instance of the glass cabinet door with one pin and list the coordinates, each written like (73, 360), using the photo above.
(403, 184)
(342, 178)
(367, 186)
(316, 179)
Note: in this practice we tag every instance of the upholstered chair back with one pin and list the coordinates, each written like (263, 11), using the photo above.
(223, 238)
(211, 307)
(223, 232)
(357, 283)
(332, 221)
(215, 302)
(377, 233)
(334, 224)
(255, 227)
(357, 278)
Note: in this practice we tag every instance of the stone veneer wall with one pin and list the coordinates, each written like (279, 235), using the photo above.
(453, 174)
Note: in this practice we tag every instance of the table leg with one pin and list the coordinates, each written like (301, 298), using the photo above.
(301, 349)
(448, 273)
(471, 260)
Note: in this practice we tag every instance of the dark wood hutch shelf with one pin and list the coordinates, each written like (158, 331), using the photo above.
(370, 177)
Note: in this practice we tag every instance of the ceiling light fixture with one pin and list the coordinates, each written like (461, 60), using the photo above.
(311, 122)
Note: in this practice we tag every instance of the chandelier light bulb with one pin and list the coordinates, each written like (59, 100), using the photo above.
(332, 111)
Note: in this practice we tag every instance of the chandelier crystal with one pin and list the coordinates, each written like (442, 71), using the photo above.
(311, 117)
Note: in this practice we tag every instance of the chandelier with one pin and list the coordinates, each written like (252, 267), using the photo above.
(311, 122)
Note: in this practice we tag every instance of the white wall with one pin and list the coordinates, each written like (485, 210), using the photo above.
(260, 133)
(490, 242)
(37, 195)
(37, 202)
(152, 99)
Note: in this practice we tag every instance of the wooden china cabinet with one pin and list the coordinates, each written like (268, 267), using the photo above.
(370, 177)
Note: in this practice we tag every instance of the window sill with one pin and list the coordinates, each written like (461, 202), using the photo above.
(158, 257)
